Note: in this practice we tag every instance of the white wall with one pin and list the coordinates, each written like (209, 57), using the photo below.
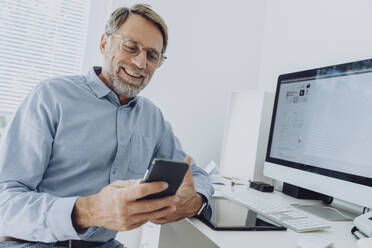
(214, 48)
(263, 39)
(303, 35)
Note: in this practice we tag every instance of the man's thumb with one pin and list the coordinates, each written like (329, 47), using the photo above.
(188, 177)
(187, 160)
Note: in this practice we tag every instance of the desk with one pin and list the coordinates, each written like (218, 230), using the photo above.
(193, 233)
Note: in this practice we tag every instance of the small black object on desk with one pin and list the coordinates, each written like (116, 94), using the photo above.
(261, 186)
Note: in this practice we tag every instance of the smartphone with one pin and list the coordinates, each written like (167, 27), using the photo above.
(169, 171)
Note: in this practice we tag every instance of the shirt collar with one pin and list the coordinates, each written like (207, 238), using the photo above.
(99, 87)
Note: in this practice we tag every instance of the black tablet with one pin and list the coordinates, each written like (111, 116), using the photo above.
(230, 216)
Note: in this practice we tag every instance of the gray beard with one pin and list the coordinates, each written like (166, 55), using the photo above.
(124, 89)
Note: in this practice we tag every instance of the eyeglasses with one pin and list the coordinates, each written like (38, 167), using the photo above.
(133, 49)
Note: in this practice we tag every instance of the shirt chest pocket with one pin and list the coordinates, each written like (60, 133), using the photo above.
(140, 151)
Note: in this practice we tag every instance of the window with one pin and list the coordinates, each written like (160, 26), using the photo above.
(3, 121)
(38, 39)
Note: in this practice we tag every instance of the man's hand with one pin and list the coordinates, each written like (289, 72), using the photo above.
(115, 206)
(189, 201)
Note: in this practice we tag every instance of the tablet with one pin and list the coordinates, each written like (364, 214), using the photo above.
(229, 216)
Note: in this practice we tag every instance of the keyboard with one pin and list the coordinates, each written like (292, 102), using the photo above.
(282, 213)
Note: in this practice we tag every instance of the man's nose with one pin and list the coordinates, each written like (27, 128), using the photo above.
(140, 60)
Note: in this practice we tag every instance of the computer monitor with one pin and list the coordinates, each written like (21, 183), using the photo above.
(321, 131)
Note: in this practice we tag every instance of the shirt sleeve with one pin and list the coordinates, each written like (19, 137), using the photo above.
(25, 152)
(170, 147)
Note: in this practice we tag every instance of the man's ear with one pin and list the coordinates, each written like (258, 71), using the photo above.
(103, 45)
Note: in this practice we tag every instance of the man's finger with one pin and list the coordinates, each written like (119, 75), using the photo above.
(159, 221)
(187, 160)
(124, 184)
(141, 190)
(147, 206)
(153, 215)
(167, 219)
(134, 226)
(188, 176)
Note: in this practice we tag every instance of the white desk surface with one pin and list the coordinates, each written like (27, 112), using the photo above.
(339, 233)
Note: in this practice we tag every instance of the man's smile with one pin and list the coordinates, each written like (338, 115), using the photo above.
(131, 73)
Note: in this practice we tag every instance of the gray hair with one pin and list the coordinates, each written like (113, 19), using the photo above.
(118, 17)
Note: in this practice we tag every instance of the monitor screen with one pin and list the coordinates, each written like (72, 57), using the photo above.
(322, 122)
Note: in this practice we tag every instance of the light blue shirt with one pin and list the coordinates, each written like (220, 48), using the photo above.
(71, 137)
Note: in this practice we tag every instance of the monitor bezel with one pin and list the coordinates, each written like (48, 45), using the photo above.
(362, 66)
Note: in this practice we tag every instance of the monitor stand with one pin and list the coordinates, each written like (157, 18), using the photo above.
(330, 208)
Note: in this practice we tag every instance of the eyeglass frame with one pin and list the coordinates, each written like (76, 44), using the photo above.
(139, 45)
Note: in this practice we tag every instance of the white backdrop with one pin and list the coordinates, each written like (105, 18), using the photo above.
(214, 48)
(262, 40)
(302, 35)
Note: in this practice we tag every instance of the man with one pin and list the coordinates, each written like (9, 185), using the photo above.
(72, 156)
